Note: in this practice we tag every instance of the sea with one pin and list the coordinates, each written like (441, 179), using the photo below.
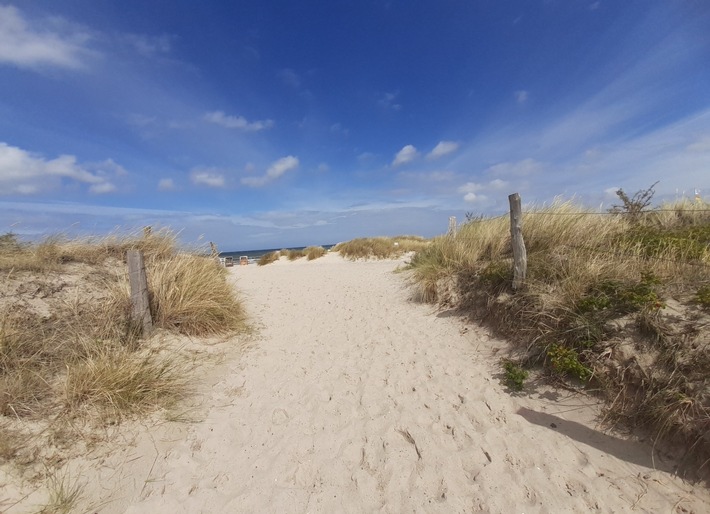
(255, 255)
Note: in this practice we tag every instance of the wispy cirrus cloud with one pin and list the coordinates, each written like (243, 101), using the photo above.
(407, 154)
(31, 45)
(277, 169)
(149, 46)
(290, 78)
(237, 122)
(209, 177)
(167, 184)
(522, 168)
(389, 101)
(25, 173)
(443, 148)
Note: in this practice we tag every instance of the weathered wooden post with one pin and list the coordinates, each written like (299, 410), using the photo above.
(452, 226)
(520, 256)
(140, 305)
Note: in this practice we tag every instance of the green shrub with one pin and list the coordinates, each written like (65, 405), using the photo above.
(515, 375)
(565, 361)
(703, 296)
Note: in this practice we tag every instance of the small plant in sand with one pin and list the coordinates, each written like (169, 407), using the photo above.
(702, 297)
(515, 375)
(63, 494)
(565, 361)
(636, 204)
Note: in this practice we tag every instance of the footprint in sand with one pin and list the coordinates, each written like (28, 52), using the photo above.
(279, 417)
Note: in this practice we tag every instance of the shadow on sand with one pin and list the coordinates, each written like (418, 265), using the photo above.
(630, 451)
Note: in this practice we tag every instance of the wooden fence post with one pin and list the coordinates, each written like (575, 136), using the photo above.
(140, 305)
(452, 226)
(520, 256)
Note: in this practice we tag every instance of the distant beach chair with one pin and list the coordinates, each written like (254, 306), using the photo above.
(243, 260)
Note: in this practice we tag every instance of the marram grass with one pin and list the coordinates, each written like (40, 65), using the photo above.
(85, 357)
(594, 280)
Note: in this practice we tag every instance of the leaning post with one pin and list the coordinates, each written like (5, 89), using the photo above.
(140, 305)
(452, 226)
(520, 256)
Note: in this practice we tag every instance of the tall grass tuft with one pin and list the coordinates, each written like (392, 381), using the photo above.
(190, 295)
(314, 252)
(268, 258)
(293, 255)
(119, 382)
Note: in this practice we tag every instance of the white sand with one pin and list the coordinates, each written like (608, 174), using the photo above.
(355, 399)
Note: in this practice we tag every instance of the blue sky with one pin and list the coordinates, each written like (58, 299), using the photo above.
(259, 124)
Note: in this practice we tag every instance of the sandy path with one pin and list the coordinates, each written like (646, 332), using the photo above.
(355, 399)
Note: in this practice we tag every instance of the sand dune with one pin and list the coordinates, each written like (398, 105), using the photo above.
(355, 399)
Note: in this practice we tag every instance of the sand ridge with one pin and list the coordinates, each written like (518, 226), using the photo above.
(356, 399)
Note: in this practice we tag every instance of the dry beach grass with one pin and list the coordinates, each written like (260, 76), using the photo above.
(356, 399)
(351, 397)
(69, 352)
(614, 301)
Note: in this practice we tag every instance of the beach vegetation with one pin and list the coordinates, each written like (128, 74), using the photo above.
(380, 247)
(615, 301)
(515, 374)
(70, 354)
(314, 252)
(64, 493)
(702, 297)
(268, 258)
(293, 255)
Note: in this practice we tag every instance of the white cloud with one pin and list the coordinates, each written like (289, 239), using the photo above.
(337, 128)
(443, 148)
(474, 198)
(470, 188)
(166, 184)
(323, 167)
(498, 184)
(108, 166)
(389, 101)
(521, 168)
(101, 188)
(290, 78)
(405, 155)
(276, 170)
(207, 177)
(237, 122)
(149, 46)
(521, 96)
(701, 145)
(24, 173)
(30, 47)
